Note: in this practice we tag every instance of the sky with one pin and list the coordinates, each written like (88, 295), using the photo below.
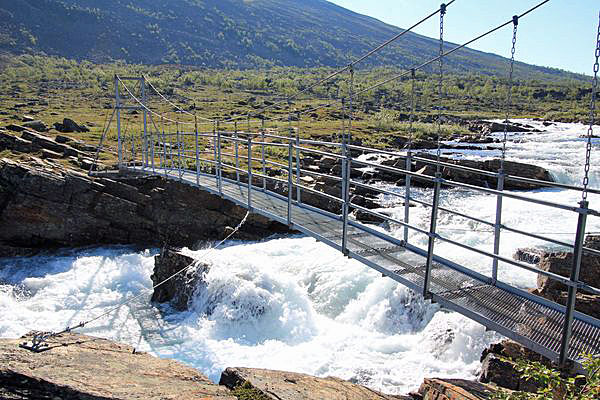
(560, 34)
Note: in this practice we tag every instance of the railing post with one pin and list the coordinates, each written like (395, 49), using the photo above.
(145, 142)
(298, 191)
(250, 172)
(572, 296)
(432, 234)
(290, 185)
(164, 141)
(220, 185)
(262, 151)
(178, 150)
(498, 225)
(237, 156)
(214, 144)
(345, 185)
(118, 107)
(408, 167)
(197, 150)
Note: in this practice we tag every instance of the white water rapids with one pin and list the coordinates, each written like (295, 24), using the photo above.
(294, 304)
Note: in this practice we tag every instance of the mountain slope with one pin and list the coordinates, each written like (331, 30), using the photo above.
(222, 33)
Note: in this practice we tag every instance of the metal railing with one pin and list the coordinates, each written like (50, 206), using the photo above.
(277, 164)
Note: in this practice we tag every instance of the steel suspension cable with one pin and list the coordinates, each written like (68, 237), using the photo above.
(453, 50)
(590, 132)
(170, 102)
(41, 337)
(349, 66)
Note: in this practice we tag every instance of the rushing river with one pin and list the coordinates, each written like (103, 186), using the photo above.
(294, 304)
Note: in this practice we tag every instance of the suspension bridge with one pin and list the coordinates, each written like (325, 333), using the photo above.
(221, 157)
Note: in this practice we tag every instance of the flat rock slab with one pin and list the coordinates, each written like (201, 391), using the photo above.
(85, 367)
(454, 389)
(280, 385)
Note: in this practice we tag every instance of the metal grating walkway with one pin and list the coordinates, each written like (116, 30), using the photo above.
(530, 320)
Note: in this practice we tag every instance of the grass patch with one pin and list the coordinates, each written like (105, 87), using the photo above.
(247, 392)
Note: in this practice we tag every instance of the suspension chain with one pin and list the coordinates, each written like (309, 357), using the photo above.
(440, 87)
(588, 149)
(510, 87)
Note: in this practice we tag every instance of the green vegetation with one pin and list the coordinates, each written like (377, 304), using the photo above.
(51, 89)
(554, 386)
(247, 392)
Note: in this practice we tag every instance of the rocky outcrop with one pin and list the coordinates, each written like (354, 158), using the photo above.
(84, 367)
(498, 366)
(453, 389)
(177, 291)
(511, 168)
(280, 385)
(45, 205)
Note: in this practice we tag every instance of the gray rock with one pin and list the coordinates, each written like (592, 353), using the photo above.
(36, 125)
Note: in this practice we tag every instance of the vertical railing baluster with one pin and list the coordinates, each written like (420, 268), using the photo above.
(262, 150)
(214, 145)
(178, 150)
(498, 225)
(407, 180)
(118, 107)
(290, 184)
(164, 141)
(572, 294)
(219, 155)
(432, 234)
(197, 150)
(345, 183)
(298, 191)
(145, 141)
(250, 172)
(237, 156)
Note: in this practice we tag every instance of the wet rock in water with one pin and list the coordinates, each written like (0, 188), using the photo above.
(529, 255)
(179, 290)
(84, 367)
(281, 385)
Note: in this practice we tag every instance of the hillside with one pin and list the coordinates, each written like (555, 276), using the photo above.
(222, 34)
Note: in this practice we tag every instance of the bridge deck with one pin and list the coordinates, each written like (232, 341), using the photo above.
(528, 319)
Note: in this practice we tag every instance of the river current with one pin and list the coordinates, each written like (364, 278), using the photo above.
(294, 304)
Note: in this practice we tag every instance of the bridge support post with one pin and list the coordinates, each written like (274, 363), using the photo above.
(237, 154)
(345, 185)
(145, 139)
(432, 234)
(298, 191)
(178, 137)
(219, 163)
(262, 154)
(408, 167)
(290, 184)
(118, 107)
(572, 296)
(197, 150)
(498, 225)
(214, 144)
(250, 172)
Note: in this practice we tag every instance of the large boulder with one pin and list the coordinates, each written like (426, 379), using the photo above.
(38, 126)
(187, 272)
(70, 126)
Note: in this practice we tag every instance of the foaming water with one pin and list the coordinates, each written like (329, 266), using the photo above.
(296, 304)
